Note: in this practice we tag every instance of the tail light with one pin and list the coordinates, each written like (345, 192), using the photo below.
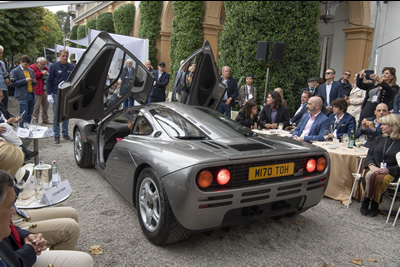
(223, 176)
(321, 164)
(204, 179)
(311, 165)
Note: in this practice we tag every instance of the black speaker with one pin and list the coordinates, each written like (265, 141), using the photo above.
(278, 51)
(262, 50)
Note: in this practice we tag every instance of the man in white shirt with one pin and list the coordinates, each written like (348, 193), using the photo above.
(331, 89)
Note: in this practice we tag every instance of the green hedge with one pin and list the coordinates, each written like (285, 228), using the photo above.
(293, 23)
(82, 32)
(105, 22)
(124, 19)
(187, 32)
(149, 26)
(91, 24)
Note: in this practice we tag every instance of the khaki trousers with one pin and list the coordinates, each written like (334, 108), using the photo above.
(59, 226)
(41, 100)
(64, 258)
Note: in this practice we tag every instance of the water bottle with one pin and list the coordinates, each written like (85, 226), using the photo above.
(351, 139)
(55, 176)
(33, 125)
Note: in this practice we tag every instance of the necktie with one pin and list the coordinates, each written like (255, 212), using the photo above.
(14, 233)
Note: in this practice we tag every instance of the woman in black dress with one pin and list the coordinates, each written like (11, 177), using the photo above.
(380, 90)
(247, 115)
(382, 165)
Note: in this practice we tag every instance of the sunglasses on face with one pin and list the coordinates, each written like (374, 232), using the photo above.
(328, 73)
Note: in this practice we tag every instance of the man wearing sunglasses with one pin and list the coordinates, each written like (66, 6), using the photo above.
(344, 81)
(330, 90)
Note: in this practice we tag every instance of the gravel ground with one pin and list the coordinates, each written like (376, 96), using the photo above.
(328, 234)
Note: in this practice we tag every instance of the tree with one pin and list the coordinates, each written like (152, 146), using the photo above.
(91, 24)
(149, 26)
(19, 28)
(123, 19)
(49, 33)
(293, 23)
(82, 32)
(64, 21)
(187, 32)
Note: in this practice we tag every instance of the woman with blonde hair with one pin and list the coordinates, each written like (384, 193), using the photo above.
(11, 158)
(280, 91)
(382, 167)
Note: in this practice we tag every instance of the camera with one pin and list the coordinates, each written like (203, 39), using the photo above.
(368, 74)
(7, 76)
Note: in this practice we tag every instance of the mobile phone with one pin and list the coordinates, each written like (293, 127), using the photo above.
(22, 114)
(368, 74)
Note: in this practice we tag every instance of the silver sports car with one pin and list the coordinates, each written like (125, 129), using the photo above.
(182, 165)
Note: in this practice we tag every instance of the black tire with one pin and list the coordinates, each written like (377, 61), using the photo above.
(156, 218)
(82, 151)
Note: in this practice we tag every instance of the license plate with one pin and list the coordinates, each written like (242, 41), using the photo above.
(270, 171)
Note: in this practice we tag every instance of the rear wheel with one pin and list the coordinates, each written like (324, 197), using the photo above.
(156, 218)
(82, 151)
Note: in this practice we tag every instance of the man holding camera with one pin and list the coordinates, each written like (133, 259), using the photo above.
(4, 79)
(41, 73)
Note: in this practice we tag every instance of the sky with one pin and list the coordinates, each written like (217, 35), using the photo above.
(54, 9)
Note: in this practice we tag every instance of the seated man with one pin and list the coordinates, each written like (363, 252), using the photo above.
(58, 225)
(341, 121)
(370, 127)
(305, 96)
(6, 116)
(11, 136)
(313, 124)
(22, 248)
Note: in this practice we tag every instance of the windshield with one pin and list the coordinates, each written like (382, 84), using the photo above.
(175, 125)
(231, 123)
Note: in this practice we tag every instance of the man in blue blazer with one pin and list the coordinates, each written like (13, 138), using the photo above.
(24, 82)
(370, 126)
(305, 96)
(330, 90)
(313, 124)
(228, 101)
(341, 121)
(157, 93)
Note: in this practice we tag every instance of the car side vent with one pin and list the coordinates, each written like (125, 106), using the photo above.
(215, 145)
(263, 140)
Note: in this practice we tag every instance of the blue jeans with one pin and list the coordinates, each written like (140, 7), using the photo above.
(5, 99)
(56, 126)
(224, 109)
(130, 102)
(27, 106)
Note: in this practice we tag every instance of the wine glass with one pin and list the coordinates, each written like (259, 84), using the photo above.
(325, 134)
(359, 141)
(280, 127)
(21, 186)
(345, 138)
(38, 188)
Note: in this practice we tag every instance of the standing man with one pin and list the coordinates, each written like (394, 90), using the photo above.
(25, 94)
(41, 73)
(126, 82)
(330, 90)
(344, 81)
(228, 101)
(4, 79)
(247, 91)
(162, 79)
(313, 124)
(59, 72)
(312, 87)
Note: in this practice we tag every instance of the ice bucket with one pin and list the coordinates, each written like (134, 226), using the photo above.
(43, 176)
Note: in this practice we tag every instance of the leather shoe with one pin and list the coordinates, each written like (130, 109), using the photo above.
(67, 137)
(56, 140)
(47, 122)
(364, 207)
(30, 154)
(374, 209)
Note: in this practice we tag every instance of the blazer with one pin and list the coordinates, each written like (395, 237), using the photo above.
(386, 95)
(126, 80)
(282, 116)
(21, 86)
(14, 256)
(316, 133)
(297, 117)
(346, 124)
(39, 79)
(375, 155)
(336, 92)
(346, 87)
(243, 93)
(159, 89)
(371, 135)
(232, 90)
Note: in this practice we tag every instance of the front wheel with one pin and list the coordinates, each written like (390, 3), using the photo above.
(82, 151)
(156, 218)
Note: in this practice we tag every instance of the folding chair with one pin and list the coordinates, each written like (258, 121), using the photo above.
(396, 184)
(357, 177)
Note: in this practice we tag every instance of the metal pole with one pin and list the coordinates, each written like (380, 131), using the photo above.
(266, 85)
